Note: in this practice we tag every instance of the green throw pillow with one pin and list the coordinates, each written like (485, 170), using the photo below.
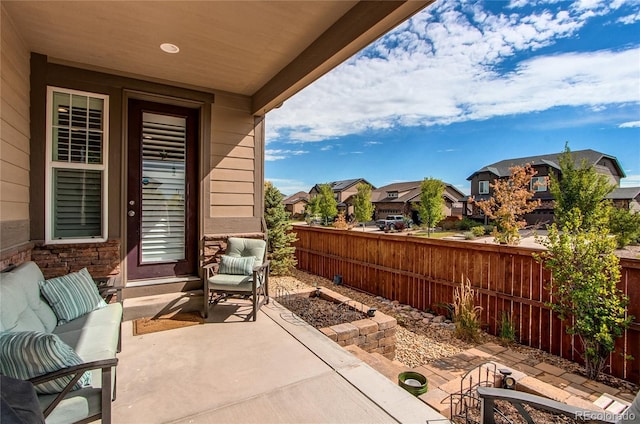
(28, 354)
(72, 295)
(236, 265)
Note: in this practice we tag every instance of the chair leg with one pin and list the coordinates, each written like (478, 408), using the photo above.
(254, 299)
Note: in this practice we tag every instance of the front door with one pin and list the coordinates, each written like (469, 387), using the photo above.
(162, 191)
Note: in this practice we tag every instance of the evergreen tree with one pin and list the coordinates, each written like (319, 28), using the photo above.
(362, 206)
(580, 188)
(431, 203)
(280, 236)
(327, 205)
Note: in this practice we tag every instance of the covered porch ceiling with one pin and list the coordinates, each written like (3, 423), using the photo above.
(267, 50)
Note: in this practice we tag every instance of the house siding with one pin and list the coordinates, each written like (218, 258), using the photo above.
(14, 144)
(234, 173)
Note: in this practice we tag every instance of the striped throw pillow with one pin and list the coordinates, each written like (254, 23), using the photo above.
(236, 266)
(28, 354)
(72, 295)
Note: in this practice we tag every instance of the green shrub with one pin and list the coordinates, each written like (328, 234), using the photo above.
(466, 224)
(488, 229)
(507, 329)
(466, 315)
(468, 235)
(478, 231)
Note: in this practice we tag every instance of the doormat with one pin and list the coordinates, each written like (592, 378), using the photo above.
(166, 322)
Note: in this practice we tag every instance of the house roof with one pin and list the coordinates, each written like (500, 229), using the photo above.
(501, 169)
(295, 198)
(338, 186)
(412, 189)
(268, 50)
(624, 193)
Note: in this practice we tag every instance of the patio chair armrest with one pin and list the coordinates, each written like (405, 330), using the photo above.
(210, 269)
(490, 394)
(77, 371)
(261, 268)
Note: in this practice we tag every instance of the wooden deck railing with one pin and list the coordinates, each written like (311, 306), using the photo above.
(423, 273)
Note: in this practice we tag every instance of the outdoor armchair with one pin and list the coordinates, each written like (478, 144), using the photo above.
(242, 270)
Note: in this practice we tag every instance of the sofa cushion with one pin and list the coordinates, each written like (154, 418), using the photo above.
(28, 354)
(21, 306)
(236, 265)
(93, 336)
(72, 295)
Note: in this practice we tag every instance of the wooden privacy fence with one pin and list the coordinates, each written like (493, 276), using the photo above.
(423, 273)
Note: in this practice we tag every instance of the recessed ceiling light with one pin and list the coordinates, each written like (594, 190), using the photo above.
(169, 48)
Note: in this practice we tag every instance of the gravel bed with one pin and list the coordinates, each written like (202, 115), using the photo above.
(420, 339)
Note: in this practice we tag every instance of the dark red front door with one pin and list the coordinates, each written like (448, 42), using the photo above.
(162, 191)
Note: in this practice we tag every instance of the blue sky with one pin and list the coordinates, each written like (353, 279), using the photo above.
(462, 85)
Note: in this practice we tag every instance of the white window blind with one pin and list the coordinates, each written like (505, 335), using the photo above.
(163, 188)
(76, 180)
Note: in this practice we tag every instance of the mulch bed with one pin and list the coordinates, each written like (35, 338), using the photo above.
(318, 312)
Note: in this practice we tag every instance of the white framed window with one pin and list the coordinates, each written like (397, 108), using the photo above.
(76, 174)
(539, 183)
(483, 187)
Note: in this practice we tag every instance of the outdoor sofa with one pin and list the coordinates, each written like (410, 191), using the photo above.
(60, 335)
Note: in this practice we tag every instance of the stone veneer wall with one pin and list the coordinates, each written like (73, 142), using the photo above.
(100, 259)
(376, 334)
(16, 257)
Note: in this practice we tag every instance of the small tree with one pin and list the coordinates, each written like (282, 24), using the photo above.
(327, 205)
(625, 225)
(579, 187)
(431, 203)
(312, 208)
(510, 201)
(280, 236)
(585, 273)
(362, 206)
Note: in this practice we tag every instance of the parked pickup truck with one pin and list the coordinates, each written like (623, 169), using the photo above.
(394, 222)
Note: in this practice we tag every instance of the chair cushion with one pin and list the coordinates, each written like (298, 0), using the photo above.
(72, 295)
(240, 247)
(28, 354)
(236, 265)
(76, 405)
(228, 282)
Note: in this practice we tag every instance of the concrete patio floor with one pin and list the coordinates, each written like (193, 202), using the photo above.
(274, 370)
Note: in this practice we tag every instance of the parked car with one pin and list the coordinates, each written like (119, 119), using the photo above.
(394, 222)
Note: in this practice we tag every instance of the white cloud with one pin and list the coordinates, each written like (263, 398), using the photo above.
(326, 148)
(632, 124)
(449, 69)
(630, 181)
(288, 187)
(279, 154)
(372, 143)
(629, 19)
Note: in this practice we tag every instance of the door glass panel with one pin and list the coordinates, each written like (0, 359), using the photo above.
(163, 188)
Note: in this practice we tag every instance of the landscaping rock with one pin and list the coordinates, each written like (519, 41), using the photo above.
(439, 319)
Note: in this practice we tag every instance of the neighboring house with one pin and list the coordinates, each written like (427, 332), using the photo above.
(124, 158)
(342, 192)
(403, 198)
(626, 198)
(296, 203)
(482, 179)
